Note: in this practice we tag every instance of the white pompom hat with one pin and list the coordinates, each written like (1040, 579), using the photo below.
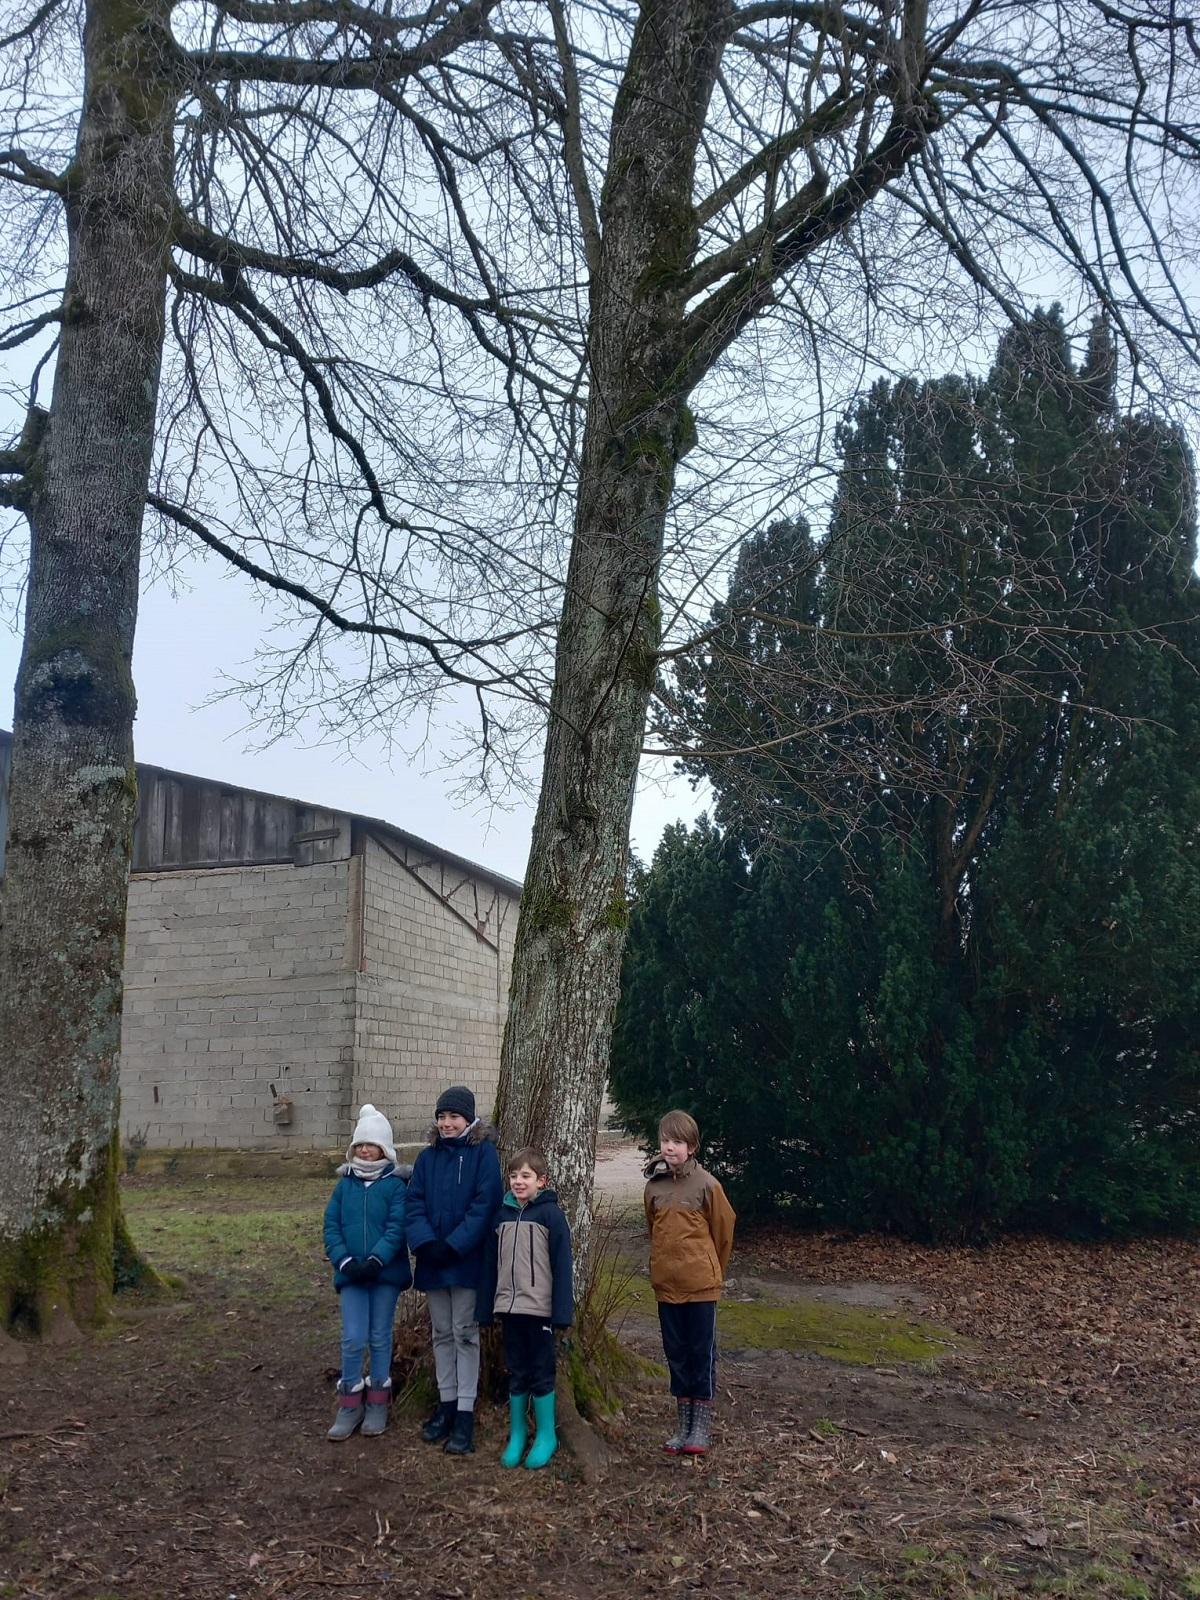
(372, 1127)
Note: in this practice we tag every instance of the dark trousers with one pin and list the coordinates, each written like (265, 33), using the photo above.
(528, 1354)
(689, 1336)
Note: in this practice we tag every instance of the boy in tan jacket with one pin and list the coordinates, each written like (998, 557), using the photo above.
(691, 1237)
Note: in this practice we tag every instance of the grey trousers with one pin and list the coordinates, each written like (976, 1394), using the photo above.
(455, 1345)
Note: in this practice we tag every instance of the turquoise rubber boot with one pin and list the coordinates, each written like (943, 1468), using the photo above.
(518, 1430)
(546, 1440)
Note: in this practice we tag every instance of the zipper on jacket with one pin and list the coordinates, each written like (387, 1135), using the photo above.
(532, 1268)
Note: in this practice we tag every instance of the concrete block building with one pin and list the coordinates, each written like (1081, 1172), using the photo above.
(285, 963)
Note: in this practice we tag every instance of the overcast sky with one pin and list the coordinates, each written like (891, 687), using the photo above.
(187, 641)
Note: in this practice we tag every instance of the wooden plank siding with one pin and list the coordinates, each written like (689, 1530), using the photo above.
(190, 823)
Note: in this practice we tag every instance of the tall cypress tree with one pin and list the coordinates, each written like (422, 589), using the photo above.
(969, 1001)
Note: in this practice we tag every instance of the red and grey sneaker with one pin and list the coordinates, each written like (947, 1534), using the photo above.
(676, 1442)
(700, 1432)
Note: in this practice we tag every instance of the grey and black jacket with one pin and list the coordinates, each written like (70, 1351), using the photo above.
(527, 1269)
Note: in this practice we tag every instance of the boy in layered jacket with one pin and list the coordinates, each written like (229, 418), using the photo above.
(691, 1238)
(364, 1240)
(452, 1197)
(527, 1283)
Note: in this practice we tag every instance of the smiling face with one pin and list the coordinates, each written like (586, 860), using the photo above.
(368, 1152)
(450, 1124)
(525, 1183)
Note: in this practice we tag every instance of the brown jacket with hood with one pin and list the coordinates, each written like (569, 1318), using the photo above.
(691, 1231)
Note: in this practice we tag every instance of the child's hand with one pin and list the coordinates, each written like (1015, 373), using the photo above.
(436, 1253)
(359, 1271)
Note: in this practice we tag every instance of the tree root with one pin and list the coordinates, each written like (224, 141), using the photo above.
(56, 1326)
(132, 1273)
(12, 1352)
(587, 1446)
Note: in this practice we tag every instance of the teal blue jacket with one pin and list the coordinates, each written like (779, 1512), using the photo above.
(367, 1219)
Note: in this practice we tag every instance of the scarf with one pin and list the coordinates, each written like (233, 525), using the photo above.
(368, 1171)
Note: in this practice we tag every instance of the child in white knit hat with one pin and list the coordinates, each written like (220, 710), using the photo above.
(365, 1243)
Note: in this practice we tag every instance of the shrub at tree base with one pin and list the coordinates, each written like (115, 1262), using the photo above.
(970, 1005)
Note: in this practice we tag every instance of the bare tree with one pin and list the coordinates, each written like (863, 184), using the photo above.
(198, 134)
(490, 331)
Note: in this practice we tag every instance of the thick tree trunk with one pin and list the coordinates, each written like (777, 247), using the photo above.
(573, 914)
(72, 793)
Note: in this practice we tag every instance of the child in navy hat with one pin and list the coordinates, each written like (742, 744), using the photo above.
(455, 1189)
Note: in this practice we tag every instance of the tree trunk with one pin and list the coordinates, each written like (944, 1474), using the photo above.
(72, 793)
(571, 932)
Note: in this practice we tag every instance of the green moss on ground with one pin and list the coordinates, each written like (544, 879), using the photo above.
(852, 1334)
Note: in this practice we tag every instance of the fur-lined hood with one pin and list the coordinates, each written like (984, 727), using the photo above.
(475, 1134)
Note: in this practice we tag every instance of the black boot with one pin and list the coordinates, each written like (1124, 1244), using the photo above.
(439, 1425)
(462, 1436)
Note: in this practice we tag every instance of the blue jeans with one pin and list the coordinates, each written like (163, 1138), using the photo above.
(368, 1311)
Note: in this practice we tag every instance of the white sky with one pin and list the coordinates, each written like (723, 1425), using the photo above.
(187, 641)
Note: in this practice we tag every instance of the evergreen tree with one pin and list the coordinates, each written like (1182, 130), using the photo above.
(970, 1000)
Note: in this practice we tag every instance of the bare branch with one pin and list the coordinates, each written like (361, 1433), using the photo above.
(16, 167)
(573, 152)
(348, 72)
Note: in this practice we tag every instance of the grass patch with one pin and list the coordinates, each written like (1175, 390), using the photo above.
(854, 1335)
(261, 1236)
(916, 1555)
(1096, 1581)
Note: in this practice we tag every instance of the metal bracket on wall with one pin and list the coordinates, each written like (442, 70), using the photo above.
(442, 899)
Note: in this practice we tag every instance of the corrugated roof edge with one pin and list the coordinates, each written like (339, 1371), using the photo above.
(512, 885)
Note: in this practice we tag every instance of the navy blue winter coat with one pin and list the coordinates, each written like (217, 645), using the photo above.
(368, 1219)
(452, 1196)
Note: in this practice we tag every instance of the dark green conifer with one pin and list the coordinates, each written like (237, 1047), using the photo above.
(970, 999)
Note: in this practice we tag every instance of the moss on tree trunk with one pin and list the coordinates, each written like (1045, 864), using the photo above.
(72, 786)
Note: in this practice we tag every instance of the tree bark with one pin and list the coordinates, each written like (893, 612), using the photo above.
(72, 794)
(571, 932)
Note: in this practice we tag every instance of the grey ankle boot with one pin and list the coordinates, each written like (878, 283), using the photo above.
(683, 1427)
(350, 1410)
(379, 1398)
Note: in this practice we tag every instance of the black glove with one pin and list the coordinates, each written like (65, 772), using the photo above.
(375, 1264)
(436, 1253)
(358, 1271)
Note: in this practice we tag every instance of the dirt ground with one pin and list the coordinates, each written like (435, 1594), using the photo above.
(1049, 1444)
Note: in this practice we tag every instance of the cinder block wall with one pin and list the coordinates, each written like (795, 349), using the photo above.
(237, 979)
(432, 993)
